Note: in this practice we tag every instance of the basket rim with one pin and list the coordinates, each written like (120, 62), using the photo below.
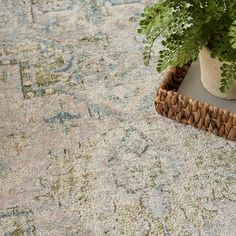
(187, 110)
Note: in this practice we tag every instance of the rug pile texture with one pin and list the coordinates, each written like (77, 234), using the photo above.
(82, 150)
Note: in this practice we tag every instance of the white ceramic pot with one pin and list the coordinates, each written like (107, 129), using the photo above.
(211, 76)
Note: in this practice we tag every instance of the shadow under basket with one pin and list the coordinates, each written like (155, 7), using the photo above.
(171, 104)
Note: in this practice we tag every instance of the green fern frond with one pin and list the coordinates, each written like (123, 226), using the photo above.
(228, 76)
(185, 27)
(232, 35)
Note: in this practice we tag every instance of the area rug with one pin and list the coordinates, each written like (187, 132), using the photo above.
(82, 150)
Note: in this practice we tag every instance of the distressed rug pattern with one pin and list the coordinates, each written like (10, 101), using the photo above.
(82, 150)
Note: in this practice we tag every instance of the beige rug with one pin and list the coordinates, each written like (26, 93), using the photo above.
(82, 150)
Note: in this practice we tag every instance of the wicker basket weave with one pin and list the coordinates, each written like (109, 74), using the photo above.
(189, 111)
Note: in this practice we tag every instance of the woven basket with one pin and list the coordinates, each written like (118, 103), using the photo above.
(188, 111)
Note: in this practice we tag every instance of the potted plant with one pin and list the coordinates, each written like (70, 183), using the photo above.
(190, 29)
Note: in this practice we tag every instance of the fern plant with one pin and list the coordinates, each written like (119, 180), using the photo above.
(185, 27)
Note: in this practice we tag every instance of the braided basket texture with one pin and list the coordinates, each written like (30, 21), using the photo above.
(188, 111)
